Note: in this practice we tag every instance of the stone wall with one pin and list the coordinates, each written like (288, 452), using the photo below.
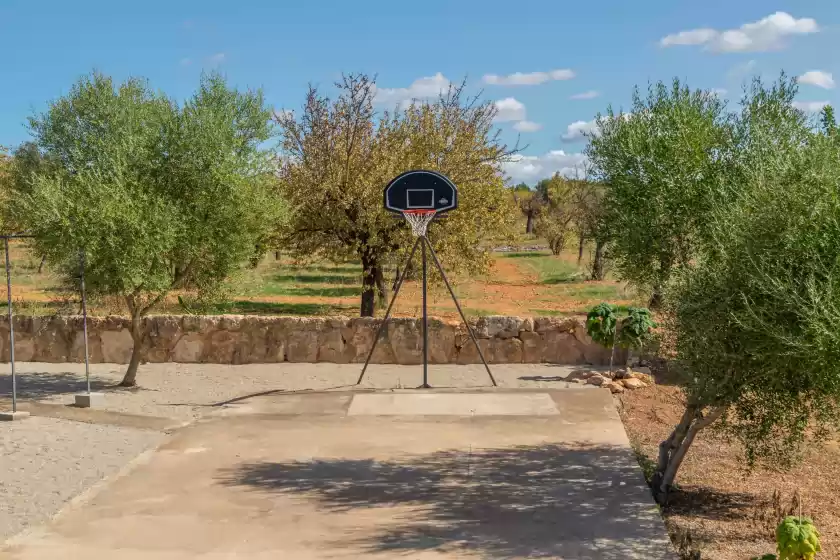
(236, 339)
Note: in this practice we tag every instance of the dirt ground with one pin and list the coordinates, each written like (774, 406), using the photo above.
(730, 514)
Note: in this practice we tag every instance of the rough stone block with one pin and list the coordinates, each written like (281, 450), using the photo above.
(189, 349)
(468, 353)
(117, 346)
(532, 347)
(406, 340)
(507, 350)
(561, 348)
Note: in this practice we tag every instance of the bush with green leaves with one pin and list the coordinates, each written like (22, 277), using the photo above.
(633, 331)
(796, 539)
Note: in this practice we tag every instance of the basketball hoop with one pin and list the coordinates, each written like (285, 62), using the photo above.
(419, 220)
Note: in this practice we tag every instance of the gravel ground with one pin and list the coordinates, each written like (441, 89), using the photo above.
(184, 391)
(47, 462)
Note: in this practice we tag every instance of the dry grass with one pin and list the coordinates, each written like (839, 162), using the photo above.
(728, 513)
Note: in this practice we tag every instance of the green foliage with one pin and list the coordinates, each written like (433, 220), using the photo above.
(661, 167)
(601, 322)
(633, 330)
(636, 329)
(797, 539)
(555, 217)
(157, 195)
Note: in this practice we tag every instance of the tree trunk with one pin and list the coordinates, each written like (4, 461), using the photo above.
(396, 278)
(529, 225)
(368, 304)
(672, 451)
(598, 261)
(41, 266)
(656, 298)
(581, 239)
(381, 286)
(276, 255)
(130, 379)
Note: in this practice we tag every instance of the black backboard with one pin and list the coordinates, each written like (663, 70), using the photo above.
(421, 190)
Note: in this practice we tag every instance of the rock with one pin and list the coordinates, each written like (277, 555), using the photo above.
(561, 348)
(406, 340)
(302, 341)
(331, 347)
(642, 369)
(597, 380)
(633, 383)
(188, 349)
(468, 354)
(496, 326)
(507, 351)
(532, 347)
(441, 342)
(644, 377)
(575, 380)
(621, 374)
(614, 387)
(116, 346)
(581, 374)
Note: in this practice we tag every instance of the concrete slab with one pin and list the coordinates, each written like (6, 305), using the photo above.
(318, 486)
(9, 416)
(453, 404)
(89, 400)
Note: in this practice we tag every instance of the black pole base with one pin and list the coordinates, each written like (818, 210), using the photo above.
(425, 386)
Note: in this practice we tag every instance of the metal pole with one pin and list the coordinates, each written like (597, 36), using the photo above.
(458, 305)
(84, 317)
(425, 384)
(388, 312)
(11, 325)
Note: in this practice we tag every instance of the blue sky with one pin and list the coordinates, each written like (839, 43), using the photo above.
(533, 57)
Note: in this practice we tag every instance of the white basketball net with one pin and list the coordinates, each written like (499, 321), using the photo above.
(419, 221)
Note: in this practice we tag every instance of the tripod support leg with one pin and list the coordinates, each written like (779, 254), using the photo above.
(388, 312)
(458, 305)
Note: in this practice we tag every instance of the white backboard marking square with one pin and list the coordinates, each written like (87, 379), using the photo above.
(453, 404)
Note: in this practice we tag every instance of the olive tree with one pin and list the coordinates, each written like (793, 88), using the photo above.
(556, 218)
(340, 153)
(158, 195)
(756, 318)
(661, 166)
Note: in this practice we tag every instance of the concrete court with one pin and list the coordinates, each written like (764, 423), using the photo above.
(487, 474)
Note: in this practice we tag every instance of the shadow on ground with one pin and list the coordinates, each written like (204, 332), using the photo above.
(576, 501)
(34, 385)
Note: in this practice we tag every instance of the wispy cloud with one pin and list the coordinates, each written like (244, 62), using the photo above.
(817, 78)
(529, 78)
(509, 109)
(217, 58)
(811, 106)
(421, 88)
(532, 168)
(579, 130)
(591, 94)
(767, 34)
(527, 126)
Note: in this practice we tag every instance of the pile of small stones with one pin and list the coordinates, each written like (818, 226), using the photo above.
(617, 381)
(527, 248)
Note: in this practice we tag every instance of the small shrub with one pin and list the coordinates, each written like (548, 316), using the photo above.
(601, 322)
(796, 539)
(636, 329)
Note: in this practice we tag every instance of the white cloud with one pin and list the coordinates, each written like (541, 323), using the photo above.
(817, 78)
(528, 79)
(810, 106)
(766, 34)
(527, 126)
(217, 58)
(591, 94)
(509, 109)
(421, 88)
(533, 168)
(578, 130)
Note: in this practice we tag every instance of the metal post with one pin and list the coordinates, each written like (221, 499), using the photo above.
(458, 306)
(84, 317)
(11, 325)
(425, 384)
(388, 312)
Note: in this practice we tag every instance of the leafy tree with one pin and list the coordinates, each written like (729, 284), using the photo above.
(756, 319)
(158, 195)
(556, 217)
(339, 155)
(530, 204)
(661, 166)
(521, 187)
